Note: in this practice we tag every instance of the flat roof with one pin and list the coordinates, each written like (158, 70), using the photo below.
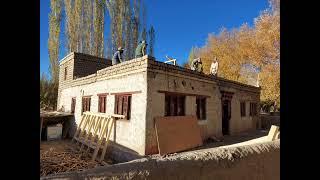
(54, 114)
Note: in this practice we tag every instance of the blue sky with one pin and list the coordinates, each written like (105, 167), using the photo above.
(179, 24)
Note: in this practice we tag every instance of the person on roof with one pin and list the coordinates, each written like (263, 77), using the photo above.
(117, 57)
(141, 49)
(214, 67)
(196, 65)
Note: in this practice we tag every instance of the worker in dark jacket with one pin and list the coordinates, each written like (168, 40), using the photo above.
(196, 65)
(117, 57)
(141, 49)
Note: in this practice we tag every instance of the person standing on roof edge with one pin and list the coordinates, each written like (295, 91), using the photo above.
(117, 57)
(141, 49)
(214, 67)
(196, 65)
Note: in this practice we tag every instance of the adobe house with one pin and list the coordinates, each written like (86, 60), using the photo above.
(144, 88)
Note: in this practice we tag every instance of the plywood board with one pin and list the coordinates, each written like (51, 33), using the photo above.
(177, 133)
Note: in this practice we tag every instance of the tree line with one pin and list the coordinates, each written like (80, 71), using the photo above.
(85, 25)
(248, 53)
(85, 28)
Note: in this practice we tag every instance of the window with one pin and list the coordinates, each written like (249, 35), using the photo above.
(243, 109)
(102, 103)
(253, 109)
(123, 105)
(73, 104)
(201, 108)
(174, 105)
(86, 102)
(65, 73)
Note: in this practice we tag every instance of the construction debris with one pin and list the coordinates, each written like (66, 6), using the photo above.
(93, 133)
(55, 160)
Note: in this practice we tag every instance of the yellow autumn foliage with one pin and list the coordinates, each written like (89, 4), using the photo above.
(258, 46)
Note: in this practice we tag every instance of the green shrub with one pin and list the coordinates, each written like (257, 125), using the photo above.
(48, 93)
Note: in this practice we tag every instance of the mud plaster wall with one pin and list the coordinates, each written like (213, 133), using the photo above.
(239, 124)
(165, 81)
(68, 64)
(139, 133)
(130, 133)
(268, 120)
(212, 126)
(251, 162)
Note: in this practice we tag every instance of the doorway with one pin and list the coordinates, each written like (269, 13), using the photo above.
(226, 116)
(226, 98)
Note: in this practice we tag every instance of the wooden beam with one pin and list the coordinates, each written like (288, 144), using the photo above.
(125, 93)
(41, 128)
(185, 94)
(102, 94)
(104, 114)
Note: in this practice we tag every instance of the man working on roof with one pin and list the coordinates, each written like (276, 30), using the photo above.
(141, 49)
(196, 65)
(117, 57)
(214, 67)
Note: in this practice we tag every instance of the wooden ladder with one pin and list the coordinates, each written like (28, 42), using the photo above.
(94, 132)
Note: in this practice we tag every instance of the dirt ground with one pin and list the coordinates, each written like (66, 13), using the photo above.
(64, 156)
(241, 139)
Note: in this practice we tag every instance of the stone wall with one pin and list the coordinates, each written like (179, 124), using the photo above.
(251, 162)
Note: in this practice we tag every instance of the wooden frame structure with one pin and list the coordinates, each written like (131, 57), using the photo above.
(171, 60)
(55, 118)
(94, 132)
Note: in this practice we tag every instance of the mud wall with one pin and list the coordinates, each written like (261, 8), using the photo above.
(257, 161)
(267, 120)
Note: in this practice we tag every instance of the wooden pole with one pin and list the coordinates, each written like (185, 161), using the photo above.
(41, 122)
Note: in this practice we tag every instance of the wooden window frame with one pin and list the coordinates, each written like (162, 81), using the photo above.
(85, 105)
(73, 104)
(181, 94)
(65, 72)
(201, 109)
(175, 105)
(243, 109)
(102, 106)
(123, 104)
(253, 109)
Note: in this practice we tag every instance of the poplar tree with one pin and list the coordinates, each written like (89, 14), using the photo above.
(70, 25)
(98, 30)
(54, 38)
(152, 39)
